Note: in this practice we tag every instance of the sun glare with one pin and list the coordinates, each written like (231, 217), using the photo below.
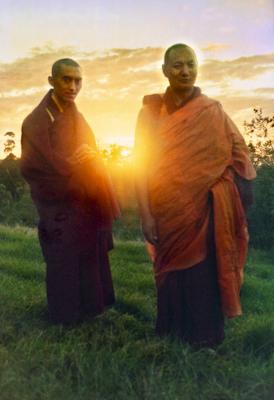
(125, 153)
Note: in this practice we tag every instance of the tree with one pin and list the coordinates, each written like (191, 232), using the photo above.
(5, 202)
(260, 125)
(261, 146)
(9, 144)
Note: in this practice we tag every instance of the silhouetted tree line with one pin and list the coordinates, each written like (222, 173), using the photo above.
(261, 147)
(16, 206)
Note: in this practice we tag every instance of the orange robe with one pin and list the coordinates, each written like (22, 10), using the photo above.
(191, 153)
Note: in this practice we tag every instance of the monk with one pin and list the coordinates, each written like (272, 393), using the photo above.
(193, 185)
(74, 200)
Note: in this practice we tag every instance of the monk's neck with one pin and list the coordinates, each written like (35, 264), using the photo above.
(60, 105)
(180, 96)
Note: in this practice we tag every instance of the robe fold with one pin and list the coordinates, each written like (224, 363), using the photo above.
(76, 207)
(192, 156)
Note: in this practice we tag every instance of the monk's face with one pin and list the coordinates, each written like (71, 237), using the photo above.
(181, 68)
(67, 83)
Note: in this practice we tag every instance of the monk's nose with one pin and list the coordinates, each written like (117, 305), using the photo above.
(185, 70)
(72, 86)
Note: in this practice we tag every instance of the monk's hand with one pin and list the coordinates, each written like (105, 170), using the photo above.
(149, 230)
(82, 154)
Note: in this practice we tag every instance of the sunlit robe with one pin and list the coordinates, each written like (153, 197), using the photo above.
(191, 157)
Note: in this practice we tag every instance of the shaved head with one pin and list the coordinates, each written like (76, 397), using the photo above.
(56, 67)
(174, 47)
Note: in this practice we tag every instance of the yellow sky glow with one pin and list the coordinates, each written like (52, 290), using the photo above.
(120, 46)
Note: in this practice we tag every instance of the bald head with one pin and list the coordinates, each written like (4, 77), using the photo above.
(177, 47)
(56, 67)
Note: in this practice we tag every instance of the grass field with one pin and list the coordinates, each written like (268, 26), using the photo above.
(116, 355)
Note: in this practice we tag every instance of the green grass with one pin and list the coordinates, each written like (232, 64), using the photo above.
(117, 355)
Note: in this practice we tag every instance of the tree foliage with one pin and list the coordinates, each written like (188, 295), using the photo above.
(259, 127)
(261, 147)
(9, 144)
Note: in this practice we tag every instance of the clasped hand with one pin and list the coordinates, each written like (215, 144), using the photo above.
(82, 154)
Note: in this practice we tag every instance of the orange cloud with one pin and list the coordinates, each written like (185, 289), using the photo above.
(215, 47)
(242, 68)
(115, 80)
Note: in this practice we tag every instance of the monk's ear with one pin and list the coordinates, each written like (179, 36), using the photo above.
(50, 80)
(164, 69)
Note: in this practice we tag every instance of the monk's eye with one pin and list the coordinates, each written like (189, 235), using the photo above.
(66, 79)
(177, 66)
(78, 81)
(191, 65)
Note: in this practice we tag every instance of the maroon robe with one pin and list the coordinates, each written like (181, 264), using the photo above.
(76, 207)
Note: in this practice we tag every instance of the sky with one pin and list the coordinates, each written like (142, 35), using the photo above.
(120, 46)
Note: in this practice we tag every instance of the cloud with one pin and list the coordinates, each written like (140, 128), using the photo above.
(215, 47)
(268, 91)
(115, 80)
(31, 71)
(243, 68)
